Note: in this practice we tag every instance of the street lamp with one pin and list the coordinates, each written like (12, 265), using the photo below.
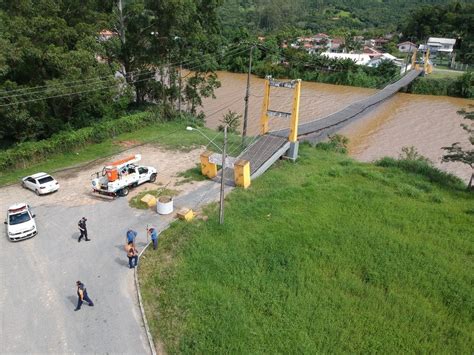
(223, 150)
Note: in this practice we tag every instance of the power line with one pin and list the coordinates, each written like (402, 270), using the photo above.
(85, 91)
(85, 82)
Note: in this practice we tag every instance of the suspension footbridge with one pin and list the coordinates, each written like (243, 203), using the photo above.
(269, 146)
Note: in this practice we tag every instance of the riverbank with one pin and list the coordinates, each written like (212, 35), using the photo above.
(286, 278)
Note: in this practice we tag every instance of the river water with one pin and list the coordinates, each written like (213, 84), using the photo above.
(423, 121)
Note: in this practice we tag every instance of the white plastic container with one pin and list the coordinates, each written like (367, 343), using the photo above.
(164, 205)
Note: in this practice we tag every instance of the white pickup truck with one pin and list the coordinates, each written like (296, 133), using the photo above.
(117, 178)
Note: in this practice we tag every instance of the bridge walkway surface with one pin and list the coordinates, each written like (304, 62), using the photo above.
(337, 120)
(268, 148)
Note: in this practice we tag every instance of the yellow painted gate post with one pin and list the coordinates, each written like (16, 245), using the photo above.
(242, 173)
(266, 104)
(207, 168)
(295, 113)
(292, 153)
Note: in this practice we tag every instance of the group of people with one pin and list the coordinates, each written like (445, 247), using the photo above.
(132, 254)
(130, 248)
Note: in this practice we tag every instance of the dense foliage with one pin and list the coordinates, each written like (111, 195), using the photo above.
(58, 71)
(462, 86)
(319, 15)
(453, 21)
(52, 45)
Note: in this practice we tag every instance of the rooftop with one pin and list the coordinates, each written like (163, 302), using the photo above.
(442, 40)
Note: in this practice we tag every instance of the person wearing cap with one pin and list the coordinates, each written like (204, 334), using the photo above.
(131, 235)
(83, 229)
(82, 296)
(154, 236)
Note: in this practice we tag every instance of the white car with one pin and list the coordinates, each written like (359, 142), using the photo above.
(20, 222)
(40, 183)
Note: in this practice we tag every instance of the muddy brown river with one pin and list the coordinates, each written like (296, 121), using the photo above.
(425, 122)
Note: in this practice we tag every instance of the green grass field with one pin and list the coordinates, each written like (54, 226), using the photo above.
(169, 135)
(322, 255)
(441, 74)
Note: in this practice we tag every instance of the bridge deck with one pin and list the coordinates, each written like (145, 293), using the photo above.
(352, 110)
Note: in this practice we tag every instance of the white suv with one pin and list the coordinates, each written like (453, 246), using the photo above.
(20, 222)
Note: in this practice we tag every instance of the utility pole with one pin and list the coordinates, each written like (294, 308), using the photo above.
(221, 209)
(247, 92)
(179, 84)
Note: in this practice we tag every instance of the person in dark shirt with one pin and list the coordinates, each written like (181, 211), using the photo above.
(83, 229)
(82, 295)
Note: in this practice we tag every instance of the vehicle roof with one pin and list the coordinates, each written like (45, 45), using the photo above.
(18, 207)
(39, 175)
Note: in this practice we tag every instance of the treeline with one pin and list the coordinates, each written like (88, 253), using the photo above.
(319, 15)
(462, 86)
(291, 63)
(26, 153)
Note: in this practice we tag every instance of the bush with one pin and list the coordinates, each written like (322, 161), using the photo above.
(31, 152)
(337, 143)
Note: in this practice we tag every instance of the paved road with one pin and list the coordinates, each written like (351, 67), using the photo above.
(37, 279)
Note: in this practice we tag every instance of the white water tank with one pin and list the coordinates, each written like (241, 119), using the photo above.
(164, 205)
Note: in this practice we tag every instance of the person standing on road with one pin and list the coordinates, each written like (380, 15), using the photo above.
(83, 229)
(131, 235)
(132, 254)
(154, 236)
(82, 296)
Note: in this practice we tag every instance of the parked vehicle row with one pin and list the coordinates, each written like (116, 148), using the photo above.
(114, 180)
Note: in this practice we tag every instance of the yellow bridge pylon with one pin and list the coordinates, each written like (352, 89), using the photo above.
(294, 115)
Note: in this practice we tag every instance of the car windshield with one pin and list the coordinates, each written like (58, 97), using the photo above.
(19, 218)
(45, 180)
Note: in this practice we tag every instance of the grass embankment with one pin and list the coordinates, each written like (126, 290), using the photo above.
(323, 255)
(169, 135)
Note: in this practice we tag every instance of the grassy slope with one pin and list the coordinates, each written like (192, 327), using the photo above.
(171, 135)
(325, 255)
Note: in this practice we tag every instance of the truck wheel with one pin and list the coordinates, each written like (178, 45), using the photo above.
(152, 178)
(124, 192)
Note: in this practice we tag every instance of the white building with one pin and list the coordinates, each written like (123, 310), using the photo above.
(441, 45)
(406, 47)
(359, 59)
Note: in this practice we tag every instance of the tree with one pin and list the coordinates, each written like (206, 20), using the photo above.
(154, 37)
(456, 152)
(232, 120)
(53, 45)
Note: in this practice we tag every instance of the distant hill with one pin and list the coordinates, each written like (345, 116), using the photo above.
(320, 15)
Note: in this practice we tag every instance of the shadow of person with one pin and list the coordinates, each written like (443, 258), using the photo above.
(122, 261)
(75, 235)
(73, 300)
